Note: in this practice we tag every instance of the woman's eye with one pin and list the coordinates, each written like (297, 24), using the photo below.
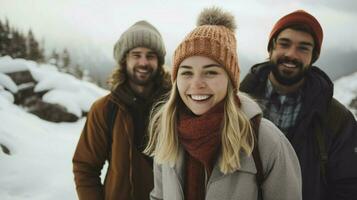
(211, 73)
(186, 73)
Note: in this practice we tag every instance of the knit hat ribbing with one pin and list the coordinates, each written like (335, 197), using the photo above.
(213, 37)
(141, 34)
(299, 17)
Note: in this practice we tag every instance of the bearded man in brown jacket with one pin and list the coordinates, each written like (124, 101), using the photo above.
(137, 83)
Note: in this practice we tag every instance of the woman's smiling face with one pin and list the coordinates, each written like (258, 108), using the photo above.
(202, 83)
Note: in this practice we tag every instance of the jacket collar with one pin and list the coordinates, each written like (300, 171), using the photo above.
(251, 109)
(247, 166)
(317, 88)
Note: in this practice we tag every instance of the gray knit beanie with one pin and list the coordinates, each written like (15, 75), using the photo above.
(141, 34)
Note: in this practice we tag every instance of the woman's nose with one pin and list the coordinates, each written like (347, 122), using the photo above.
(198, 82)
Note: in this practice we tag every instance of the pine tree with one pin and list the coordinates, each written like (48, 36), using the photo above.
(78, 71)
(54, 58)
(10, 45)
(65, 61)
(33, 50)
(86, 76)
(18, 45)
(42, 51)
(5, 39)
(2, 39)
(15, 44)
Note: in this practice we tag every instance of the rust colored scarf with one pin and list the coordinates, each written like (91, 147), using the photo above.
(201, 139)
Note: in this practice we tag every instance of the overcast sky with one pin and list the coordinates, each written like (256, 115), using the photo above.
(99, 23)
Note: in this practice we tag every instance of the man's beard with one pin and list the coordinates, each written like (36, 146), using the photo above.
(286, 80)
(132, 76)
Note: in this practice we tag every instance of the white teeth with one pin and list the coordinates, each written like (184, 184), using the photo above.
(142, 70)
(289, 65)
(200, 97)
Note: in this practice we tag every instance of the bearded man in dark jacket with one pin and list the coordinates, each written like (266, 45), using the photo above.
(298, 98)
(137, 84)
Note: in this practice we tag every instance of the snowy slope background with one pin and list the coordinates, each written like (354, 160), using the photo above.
(39, 166)
(346, 90)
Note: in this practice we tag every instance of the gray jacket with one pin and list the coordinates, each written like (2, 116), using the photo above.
(280, 165)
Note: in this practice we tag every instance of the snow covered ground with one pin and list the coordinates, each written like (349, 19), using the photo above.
(39, 166)
(346, 89)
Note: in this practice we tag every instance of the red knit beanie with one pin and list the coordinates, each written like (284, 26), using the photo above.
(295, 18)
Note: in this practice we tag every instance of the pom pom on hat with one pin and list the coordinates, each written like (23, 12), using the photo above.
(214, 38)
(215, 16)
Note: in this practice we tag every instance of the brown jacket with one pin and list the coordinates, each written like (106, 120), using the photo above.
(129, 175)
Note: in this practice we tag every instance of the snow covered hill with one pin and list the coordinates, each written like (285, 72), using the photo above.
(60, 88)
(345, 90)
(38, 165)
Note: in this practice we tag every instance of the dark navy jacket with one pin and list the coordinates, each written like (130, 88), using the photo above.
(339, 129)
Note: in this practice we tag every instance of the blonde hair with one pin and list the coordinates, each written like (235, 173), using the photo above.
(237, 134)
(163, 142)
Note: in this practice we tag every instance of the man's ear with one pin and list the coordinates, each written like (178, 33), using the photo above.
(273, 44)
(270, 53)
(272, 47)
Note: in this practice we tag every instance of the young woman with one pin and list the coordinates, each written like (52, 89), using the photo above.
(201, 138)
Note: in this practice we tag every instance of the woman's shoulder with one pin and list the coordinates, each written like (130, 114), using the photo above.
(269, 134)
(272, 143)
(249, 107)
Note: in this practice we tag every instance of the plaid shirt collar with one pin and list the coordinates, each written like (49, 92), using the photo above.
(289, 99)
(282, 110)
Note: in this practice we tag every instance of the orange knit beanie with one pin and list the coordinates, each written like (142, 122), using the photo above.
(213, 37)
